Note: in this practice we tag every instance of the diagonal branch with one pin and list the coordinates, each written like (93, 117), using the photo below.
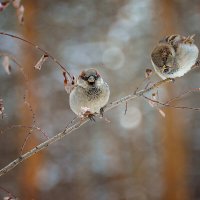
(40, 49)
(77, 125)
(171, 106)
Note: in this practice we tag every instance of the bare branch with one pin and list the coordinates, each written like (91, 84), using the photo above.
(40, 49)
(77, 125)
(183, 94)
(26, 102)
(11, 196)
(26, 127)
(27, 90)
(171, 106)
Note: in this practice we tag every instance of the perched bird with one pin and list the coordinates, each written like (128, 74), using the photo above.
(174, 56)
(90, 94)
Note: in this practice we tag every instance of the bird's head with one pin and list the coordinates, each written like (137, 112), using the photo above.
(89, 78)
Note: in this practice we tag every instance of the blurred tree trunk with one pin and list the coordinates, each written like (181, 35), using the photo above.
(29, 169)
(173, 130)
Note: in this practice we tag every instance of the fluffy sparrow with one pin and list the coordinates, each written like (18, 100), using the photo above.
(174, 56)
(90, 94)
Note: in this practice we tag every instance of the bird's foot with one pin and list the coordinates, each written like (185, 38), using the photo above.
(102, 111)
(172, 79)
(89, 115)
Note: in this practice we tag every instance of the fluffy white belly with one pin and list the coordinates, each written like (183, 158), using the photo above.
(79, 100)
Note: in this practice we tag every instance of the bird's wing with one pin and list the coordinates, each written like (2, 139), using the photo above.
(171, 39)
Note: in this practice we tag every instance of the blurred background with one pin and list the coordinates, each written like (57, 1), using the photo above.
(137, 156)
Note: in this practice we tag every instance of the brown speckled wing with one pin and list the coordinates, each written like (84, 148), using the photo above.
(172, 40)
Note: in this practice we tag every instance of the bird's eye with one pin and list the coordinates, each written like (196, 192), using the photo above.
(166, 70)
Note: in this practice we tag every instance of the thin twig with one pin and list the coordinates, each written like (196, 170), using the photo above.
(25, 97)
(11, 196)
(183, 94)
(171, 106)
(40, 49)
(25, 141)
(34, 127)
(27, 90)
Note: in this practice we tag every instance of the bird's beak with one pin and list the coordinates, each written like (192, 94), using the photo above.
(165, 67)
(91, 79)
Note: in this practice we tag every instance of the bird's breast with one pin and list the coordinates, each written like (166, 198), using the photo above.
(93, 93)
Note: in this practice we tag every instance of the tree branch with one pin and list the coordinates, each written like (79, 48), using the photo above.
(171, 106)
(67, 130)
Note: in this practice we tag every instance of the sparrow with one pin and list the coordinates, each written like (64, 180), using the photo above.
(90, 94)
(174, 56)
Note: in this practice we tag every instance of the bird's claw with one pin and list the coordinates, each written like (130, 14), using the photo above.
(172, 79)
(197, 63)
(89, 115)
(102, 111)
